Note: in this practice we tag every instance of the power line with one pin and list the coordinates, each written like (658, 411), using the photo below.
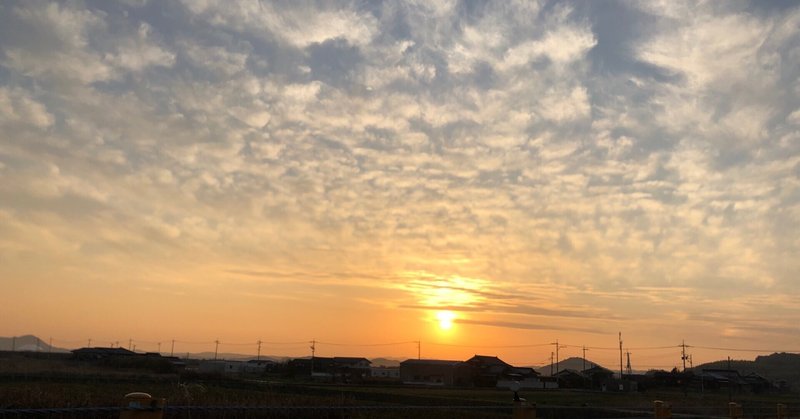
(739, 349)
(488, 346)
(368, 344)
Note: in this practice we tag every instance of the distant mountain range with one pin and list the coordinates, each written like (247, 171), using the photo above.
(27, 343)
(31, 343)
(778, 366)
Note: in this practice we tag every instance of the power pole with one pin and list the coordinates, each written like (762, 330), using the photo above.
(90, 343)
(172, 349)
(729, 382)
(556, 356)
(159, 348)
(50, 346)
(258, 357)
(628, 367)
(620, 356)
(683, 354)
(584, 358)
(13, 344)
(419, 349)
(551, 363)
(313, 352)
(130, 343)
(216, 349)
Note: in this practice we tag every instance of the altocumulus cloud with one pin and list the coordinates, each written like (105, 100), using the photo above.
(539, 148)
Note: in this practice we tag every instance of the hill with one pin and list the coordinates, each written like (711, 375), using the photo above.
(27, 343)
(574, 363)
(775, 367)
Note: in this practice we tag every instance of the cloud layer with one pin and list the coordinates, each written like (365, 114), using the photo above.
(523, 163)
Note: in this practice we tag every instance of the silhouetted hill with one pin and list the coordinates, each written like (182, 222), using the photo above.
(27, 343)
(574, 363)
(385, 362)
(775, 367)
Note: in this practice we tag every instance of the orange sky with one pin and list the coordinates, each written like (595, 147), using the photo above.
(199, 171)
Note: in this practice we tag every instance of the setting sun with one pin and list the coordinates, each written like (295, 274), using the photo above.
(445, 319)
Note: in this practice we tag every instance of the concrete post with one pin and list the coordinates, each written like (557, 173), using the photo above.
(735, 410)
(662, 410)
(524, 410)
(783, 411)
(143, 406)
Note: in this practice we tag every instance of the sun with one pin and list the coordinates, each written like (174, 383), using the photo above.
(445, 318)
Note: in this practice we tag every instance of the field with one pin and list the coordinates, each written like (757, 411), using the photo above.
(30, 383)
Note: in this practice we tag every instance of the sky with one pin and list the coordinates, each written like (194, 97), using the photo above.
(483, 177)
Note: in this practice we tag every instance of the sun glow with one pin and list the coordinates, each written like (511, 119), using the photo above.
(445, 319)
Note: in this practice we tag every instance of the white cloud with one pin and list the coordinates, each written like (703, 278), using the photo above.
(17, 106)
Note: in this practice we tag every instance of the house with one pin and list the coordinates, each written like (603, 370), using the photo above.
(432, 372)
(89, 354)
(570, 378)
(385, 373)
(257, 366)
(491, 371)
(485, 371)
(757, 383)
(597, 376)
(345, 369)
(220, 367)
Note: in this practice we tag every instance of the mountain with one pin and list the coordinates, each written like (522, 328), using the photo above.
(775, 367)
(27, 343)
(385, 362)
(574, 363)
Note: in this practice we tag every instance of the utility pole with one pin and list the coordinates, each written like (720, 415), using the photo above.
(130, 343)
(313, 351)
(90, 343)
(419, 349)
(729, 382)
(628, 367)
(551, 363)
(557, 357)
(172, 349)
(50, 346)
(584, 357)
(13, 344)
(683, 354)
(159, 348)
(216, 349)
(620, 356)
(258, 357)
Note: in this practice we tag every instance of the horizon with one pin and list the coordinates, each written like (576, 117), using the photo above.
(238, 350)
(467, 175)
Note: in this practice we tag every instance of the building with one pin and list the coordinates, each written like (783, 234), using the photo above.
(431, 372)
(220, 367)
(89, 354)
(570, 378)
(385, 373)
(344, 369)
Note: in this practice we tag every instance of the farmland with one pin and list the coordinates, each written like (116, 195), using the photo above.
(60, 382)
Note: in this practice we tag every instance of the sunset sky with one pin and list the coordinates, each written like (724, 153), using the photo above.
(482, 177)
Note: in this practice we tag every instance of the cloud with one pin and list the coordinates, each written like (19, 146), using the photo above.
(516, 162)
